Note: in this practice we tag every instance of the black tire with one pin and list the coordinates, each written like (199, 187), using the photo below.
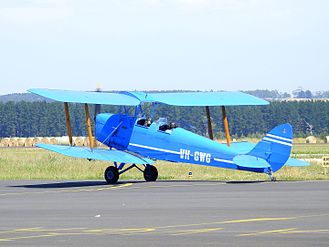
(150, 173)
(111, 175)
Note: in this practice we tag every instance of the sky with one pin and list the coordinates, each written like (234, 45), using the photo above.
(164, 44)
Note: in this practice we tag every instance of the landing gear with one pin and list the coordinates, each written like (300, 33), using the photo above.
(270, 173)
(150, 173)
(111, 175)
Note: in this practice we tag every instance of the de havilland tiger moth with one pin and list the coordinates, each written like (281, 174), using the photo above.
(134, 141)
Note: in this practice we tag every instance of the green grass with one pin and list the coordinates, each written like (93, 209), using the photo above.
(32, 163)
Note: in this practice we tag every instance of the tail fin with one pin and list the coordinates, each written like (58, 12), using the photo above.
(275, 147)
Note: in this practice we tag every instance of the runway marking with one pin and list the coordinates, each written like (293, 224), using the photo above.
(174, 230)
(67, 190)
(257, 220)
(20, 230)
(228, 222)
(267, 232)
(284, 231)
(307, 231)
(196, 231)
(53, 233)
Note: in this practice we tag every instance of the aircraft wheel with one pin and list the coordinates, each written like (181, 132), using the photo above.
(111, 175)
(150, 173)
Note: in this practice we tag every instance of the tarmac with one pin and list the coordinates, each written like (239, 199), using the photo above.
(164, 213)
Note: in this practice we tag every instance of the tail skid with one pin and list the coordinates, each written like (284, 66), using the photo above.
(275, 147)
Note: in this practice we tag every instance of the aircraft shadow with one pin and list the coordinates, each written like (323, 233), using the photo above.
(54, 185)
(212, 181)
(79, 184)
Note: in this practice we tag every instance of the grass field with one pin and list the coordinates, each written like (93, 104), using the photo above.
(33, 163)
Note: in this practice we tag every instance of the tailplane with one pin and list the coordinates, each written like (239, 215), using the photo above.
(275, 147)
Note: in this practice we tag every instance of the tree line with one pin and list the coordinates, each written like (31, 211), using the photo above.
(29, 119)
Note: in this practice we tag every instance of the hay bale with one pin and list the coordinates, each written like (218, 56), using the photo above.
(78, 141)
(101, 145)
(311, 139)
(86, 141)
(326, 139)
(28, 142)
(13, 142)
(63, 140)
(35, 141)
(45, 140)
(21, 142)
(53, 140)
(5, 142)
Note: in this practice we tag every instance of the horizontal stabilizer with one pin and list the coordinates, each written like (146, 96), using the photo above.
(242, 147)
(295, 162)
(249, 161)
(97, 154)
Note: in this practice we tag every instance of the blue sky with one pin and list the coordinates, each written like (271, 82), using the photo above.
(154, 44)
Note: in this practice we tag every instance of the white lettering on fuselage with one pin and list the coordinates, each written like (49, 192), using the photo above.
(185, 154)
(198, 156)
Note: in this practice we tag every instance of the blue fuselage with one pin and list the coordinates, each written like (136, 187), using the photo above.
(179, 145)
(173, 144)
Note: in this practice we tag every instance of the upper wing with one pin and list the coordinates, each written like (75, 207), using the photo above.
(97, 154)
(135, 98)
(86, 97)
(206, 99)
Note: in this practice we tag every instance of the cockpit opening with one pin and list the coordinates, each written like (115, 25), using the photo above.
(146, 122)
(164, 125)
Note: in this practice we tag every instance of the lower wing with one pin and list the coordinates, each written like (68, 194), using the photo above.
(97, 154)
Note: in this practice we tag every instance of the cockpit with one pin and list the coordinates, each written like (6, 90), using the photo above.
(164, 125)
(146, 122)
(161, 124)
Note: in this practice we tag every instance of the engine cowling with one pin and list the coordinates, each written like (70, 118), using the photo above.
(114, 130)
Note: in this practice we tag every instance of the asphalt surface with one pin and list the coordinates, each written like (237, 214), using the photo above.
(178, 213)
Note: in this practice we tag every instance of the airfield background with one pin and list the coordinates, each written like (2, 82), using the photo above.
(43, 118)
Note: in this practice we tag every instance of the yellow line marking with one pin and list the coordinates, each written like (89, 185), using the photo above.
(39, 229)
(28, 229)
(228, 222)
(51, 233)
(257, 220)
(44, 232)
(134, 231)
(20, 229)
(119, 230)
(196, 231)
(28, 237)
(94, 231)
(286, 230)
(307, 231)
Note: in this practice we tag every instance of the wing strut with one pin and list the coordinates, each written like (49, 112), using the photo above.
(210, 132)
(90, 134)
(227, 131)
(68, 122)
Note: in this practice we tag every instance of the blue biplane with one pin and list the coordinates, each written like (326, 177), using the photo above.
(135, 140)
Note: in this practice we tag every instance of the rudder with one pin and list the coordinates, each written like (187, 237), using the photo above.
(275, 147)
